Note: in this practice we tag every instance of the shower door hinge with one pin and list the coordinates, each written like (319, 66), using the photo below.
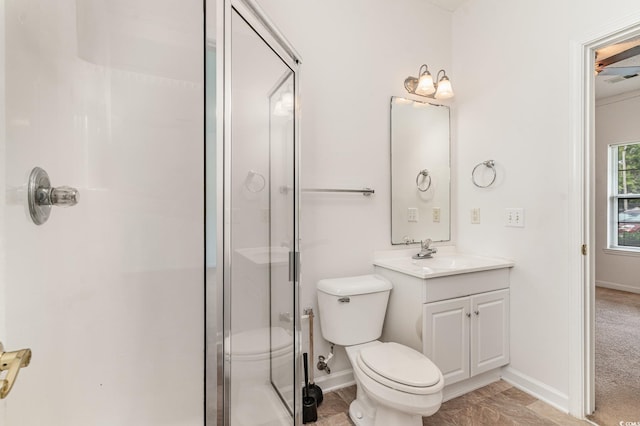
(584, 249)
(294, 265)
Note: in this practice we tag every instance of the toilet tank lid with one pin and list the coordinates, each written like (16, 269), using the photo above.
(351, 286)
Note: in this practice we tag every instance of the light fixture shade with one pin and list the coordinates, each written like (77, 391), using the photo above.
(287, 101)
(445, 91)
(279, 110)
(425, 84)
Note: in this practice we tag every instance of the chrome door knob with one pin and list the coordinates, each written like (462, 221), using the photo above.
(42, 196)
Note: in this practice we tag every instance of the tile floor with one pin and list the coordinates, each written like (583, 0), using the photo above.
(498, 404)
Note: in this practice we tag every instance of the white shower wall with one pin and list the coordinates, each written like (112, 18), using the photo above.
(107, 97)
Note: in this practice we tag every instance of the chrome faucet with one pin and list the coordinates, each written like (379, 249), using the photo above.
(426, 251)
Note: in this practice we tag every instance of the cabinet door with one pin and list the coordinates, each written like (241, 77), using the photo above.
(446, 337)
(489, 331)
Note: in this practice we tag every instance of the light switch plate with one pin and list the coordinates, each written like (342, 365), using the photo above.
(475, 215)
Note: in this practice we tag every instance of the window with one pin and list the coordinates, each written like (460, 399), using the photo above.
(624, 198)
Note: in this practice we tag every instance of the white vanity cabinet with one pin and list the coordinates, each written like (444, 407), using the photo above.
(458, 316)
(467, 336)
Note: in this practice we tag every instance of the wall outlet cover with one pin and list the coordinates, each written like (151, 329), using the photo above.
(514, 217)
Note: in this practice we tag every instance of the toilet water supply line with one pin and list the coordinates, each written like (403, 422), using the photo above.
(323, 362)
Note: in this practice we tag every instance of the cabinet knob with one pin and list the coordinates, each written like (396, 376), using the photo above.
(468, 315)
(476, 312)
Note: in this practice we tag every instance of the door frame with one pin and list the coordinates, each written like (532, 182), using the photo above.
(3, 185)
(582, 210)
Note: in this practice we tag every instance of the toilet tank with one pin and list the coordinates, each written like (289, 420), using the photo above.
(352, 309)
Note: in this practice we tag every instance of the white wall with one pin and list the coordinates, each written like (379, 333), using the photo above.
(512, 81)
(107, 97)
(616, 122)
(511, 74)
(355, 56)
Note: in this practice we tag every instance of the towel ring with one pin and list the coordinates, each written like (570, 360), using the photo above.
(426, 175)
(489, 164)
(250, 180)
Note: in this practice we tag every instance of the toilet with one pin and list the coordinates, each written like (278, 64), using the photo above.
(396, 385)
(256, 356)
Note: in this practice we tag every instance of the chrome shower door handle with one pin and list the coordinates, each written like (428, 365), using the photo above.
(12, 362)
(42, 196)
(64, 196)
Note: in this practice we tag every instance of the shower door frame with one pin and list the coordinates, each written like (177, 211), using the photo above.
(253, 14)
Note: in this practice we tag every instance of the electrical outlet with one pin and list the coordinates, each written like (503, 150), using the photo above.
(436, 214)
(514, 217)
(412, 214)
(475, 215)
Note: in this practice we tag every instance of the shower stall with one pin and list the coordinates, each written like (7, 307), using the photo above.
(148, 215)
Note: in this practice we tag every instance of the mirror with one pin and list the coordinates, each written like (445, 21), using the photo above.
(420, 171)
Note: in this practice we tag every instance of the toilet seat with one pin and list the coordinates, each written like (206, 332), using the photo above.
(259, 344)
(400, 367)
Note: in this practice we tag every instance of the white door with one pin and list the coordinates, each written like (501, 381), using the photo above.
(107, 97)
(489, 331)
(446, 337)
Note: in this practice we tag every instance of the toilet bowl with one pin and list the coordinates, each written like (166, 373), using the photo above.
(257, 355)
(396, 385)
(403, 384)
(254, 353)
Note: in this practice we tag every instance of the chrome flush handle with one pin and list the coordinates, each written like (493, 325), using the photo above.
(42, 196)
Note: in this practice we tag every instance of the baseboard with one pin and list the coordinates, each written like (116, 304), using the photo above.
(616, 286)
(458, 389)
(337, 380)
(543, 392)
(536, 388)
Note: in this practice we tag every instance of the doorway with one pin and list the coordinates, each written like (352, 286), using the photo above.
(584, 205)
(617, 231)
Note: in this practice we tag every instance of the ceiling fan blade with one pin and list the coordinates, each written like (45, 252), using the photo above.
(623, 71)
(626, 54)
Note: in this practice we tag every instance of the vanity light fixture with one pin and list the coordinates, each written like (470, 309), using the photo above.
(424, 84)
(284, 104)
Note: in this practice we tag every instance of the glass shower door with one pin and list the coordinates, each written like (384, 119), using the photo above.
(261, 205)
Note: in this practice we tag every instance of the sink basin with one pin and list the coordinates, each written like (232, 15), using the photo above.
(445, 262)
(438, 266)
(265, 255)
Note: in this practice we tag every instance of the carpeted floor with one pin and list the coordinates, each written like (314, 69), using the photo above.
(617, 344)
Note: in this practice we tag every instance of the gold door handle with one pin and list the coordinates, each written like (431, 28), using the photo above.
(12, 362)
